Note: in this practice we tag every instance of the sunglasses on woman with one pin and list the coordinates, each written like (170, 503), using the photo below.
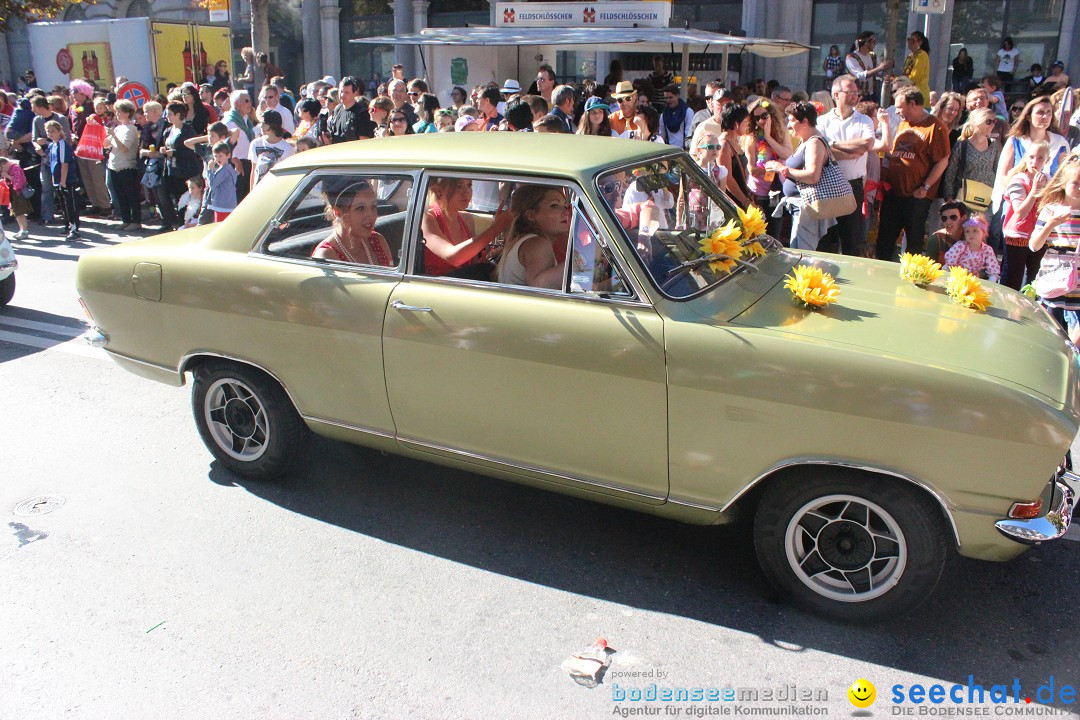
(708, 147)
(761, 117)
(1017, 109)
(397, 119)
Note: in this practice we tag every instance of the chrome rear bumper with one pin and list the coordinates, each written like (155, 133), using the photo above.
(1052, 525)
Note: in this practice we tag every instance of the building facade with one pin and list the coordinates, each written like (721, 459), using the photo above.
(312, 40)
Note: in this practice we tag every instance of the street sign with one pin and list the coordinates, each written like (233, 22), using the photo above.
(135, 92)
(219, 10)
(929, 7)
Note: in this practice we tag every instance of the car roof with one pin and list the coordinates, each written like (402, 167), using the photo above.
(549, 153)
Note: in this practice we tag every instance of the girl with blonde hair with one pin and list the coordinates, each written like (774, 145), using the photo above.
(1058, 229)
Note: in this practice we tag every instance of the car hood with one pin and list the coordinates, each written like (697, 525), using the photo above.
(1014, 340)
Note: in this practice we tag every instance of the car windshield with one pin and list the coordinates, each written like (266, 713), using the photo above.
(685, 231)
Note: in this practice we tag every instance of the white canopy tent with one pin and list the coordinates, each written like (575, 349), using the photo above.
(648, 40)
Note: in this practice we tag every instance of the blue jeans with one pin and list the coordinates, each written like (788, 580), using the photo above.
(47, 203)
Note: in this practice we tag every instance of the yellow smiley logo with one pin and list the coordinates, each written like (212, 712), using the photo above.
(862, 693)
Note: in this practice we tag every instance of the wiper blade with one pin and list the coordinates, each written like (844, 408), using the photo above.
(685, 267)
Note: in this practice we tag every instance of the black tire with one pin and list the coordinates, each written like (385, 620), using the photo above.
(246, 420)
(848, 545)
(7, 289)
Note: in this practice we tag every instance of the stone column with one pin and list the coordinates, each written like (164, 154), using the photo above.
(18, 48)
(403, 23)
(1069, 41)
(312, 29)
(420, 21)
(6, 73)
(330, 14)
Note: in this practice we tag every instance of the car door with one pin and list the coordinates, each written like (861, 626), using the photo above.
(565, 385)
(320, 318)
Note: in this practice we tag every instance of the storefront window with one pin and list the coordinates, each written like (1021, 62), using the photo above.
(837, 23)
(980, 26)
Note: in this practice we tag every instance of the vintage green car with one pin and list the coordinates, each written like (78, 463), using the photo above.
(651, 372)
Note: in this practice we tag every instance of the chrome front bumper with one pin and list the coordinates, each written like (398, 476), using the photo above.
(1052, 525)
(11, 265)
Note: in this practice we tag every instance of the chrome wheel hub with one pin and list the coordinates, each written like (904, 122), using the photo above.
(845, 548)
(236, 419)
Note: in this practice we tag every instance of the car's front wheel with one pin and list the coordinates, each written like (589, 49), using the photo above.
(7, 289)
(848, 545)
(246, 420)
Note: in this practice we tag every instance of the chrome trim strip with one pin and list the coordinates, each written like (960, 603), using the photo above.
(527, 468)
(1051, 526)
(523, 290)
(854, 466)
(697, 506)
(346, 426)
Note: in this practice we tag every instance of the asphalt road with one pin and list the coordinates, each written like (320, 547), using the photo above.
(370, 586)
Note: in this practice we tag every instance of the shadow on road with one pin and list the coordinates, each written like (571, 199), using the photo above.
(993, 621)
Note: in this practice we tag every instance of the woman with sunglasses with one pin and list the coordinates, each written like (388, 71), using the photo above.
(458, 99)
(974, 159)
(398, 124)
(767, 140)
(705, 155)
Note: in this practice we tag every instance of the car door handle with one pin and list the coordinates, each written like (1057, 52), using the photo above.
(398, 305)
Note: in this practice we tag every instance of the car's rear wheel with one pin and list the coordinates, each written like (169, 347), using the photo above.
(851, 546)
(246, 420)
(7, 289)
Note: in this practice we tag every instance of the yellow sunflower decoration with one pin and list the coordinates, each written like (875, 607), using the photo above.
(753, 221)
(754, 248)
(919, 269)
(723, 241)
(965, 289)
(812, 286)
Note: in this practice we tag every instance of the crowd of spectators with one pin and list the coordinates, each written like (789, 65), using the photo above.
(965, 166)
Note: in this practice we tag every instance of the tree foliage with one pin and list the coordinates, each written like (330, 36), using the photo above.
(31, 10)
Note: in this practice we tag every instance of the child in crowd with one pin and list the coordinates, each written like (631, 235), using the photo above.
(204, 144)
(1057, 229)
(1022, 187)
(305, 143)
(221, 182)
(705, 154)
(192, 200)
(269, 148)
(973, 254)
(20, 206)
(64, 177)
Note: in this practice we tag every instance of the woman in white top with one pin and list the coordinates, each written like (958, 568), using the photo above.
(1036, 122)
(1007, 60)
(538, 238)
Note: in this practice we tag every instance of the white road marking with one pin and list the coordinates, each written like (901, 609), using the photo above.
(65, 330)
(71, 347)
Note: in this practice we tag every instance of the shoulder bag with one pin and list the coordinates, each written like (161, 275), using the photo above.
(831, 196)
(974, 194)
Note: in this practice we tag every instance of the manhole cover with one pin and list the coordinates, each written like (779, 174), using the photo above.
(39, 505)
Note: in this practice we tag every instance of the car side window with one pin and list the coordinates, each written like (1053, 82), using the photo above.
(351, 218)
(593, 269)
